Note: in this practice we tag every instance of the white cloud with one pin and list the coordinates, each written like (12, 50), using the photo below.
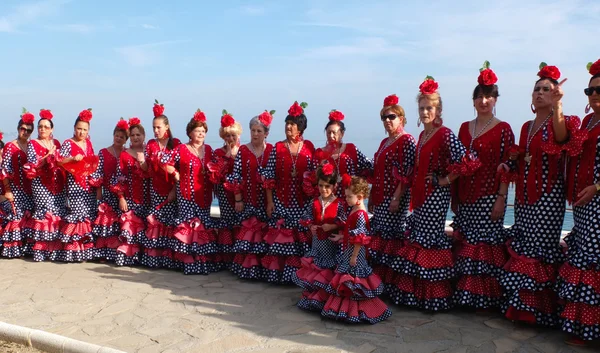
(148, 26)
(253, 10)
(142, 55)
(29, 13)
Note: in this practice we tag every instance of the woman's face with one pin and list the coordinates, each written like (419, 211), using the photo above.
(484, 105)
(391, 121)
(594, 98)
(197, 135)
(119, 138)
(325, 189)
(160, 128)
(427, 111)
(44, 129)
(137, 138)
(25, 131)
(291, 130)
(258, 134)
(230, 138)
(542, 93)
(334, 134)
(81, 130)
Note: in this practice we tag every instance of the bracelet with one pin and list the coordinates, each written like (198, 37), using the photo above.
(448, 180)
(597, 187)
(239, 201)
(505, 196)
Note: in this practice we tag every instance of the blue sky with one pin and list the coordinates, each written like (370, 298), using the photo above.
(247, 56)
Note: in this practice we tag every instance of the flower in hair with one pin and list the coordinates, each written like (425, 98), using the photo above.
(27, 117)
(1, 136)
(266, 117)
(297, 109)
(199, 116)
(122, 124)
(346, 180)
(429, 86)
(158, 109)
(134, 121)
(226, 119)
(46, 114)
(594, 68)
(487, 77)
(390, 100)
(336, 115)
(548, 71)
(327, 169)
(86, 115)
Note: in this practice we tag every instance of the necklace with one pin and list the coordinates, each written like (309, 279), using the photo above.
(23, 147)
(336, 161)
(200, 155)
(424, 140)
(259, 159)
(474, 135)
(84, 147)
(324, 204)
(294, 159)
(387, 144)
(590, 128)
(47, 144)
(530, 136)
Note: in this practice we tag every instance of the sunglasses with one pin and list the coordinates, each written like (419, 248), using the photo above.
(389, 117)
(590, 90)
(24, 129)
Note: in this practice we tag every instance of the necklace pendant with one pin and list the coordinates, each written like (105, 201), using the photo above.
(527, 158)
(294, 172)
(339, 178)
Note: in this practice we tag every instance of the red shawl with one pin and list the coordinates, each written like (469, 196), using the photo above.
(161, 181)
(82, 169)
(194, 177)
(283, 171)
(134, 178)
(17, 159)
(580, 170)
(386, 175)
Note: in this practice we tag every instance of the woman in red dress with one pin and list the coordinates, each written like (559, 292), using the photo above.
(481, 193)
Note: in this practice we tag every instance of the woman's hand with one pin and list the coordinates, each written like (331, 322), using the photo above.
(585, 196)
(270, 209)
(353, 260)
(78, 157)
(239, 206)
(123, 205)
(394, 205)
(498, 208)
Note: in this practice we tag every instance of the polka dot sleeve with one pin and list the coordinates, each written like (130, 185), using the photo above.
(65, 149)
(269, 172)
(359, 234)
(364, 164)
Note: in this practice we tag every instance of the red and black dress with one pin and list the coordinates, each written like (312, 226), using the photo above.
(480, 252)
(535, 251)
(578, 283)
(425, 265)
(228, 219)
(349, 160)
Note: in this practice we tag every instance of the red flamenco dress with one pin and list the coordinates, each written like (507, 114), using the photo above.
(480, 249)
(535, 251)
(425, 264)
(578, 283)
(347, 159)
(194, 241)
(394, 165)
(319, 263)
(131, 181)
(247, 181)
(162, 214)
(106, 227)
(228, 218)
(49, 200)
(286, 239)
(14, 234)
(354, 290)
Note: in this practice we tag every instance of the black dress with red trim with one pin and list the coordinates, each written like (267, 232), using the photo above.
(354, 290)
(49, 199)
(348, 160)
(286, 239)
(394, 165)
(480, 241)
(133, 183)
(535, 250)
(161, 213)
(194, 243)
(578, 282)
(106, 227)
(14, 233)
(247, 180)
(319, 263)
(228, 219)
(425, 264)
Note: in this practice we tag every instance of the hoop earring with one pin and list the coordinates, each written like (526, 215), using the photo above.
(587, 109)
(419, 122)
(437, 122)
(494, 111)
(533, 109)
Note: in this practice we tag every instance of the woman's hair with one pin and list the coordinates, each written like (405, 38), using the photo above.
(256, 121)
(138, 126)
(330, 179)
(547, 78)
(299, 120)
(593, 77)
(338, 123)
(165, 121)
(193, 124)
(48, 120)
(486, 91)
(235, 129)
(359, 186)
(434, 98)
(396, 109)
(21, 122)
(1, 144)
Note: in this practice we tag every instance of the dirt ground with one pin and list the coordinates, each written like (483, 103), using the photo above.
(9, 347)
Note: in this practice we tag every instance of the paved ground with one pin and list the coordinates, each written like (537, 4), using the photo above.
(141, 310)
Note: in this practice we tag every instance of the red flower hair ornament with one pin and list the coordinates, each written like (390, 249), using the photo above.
(1, 136)
(390, 100)
(548, 71)
(429, 86)
(86, 115)
(297, 109)
(487, 77)
(346, 181)
(327, 169)
(158, 109)
(123, 125)
(336, 115)
(27, 117)
(226, 119)
(266, 117)
(134, 121)
(199, 116)
(46, 114)
(594, 68)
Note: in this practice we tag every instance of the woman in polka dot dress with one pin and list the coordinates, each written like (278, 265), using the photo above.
(481, 195)
(17, 191)
(194, 241)
(578, 284)
(289, 160)
(324, 216)
(354, 288)
(425, 264)
(131, 185)
(48, 189)
(248, 186)
(230, 132)
(535, 251)
(106, 227)
(78, 159)
(163, 200)
(390, 193)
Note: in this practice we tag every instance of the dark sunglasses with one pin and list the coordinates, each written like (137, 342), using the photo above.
(389, 117)
(24, 129)
(590, 90)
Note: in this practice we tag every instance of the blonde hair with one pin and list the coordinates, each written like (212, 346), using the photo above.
(235, 129)
(434, 98)
(396, 109)
(359, 186)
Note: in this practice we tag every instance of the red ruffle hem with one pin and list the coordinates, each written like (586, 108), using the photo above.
(494, 255)
(312, 276)
(76, 231)
(427, 258)
(575, 276)
(543, 301)
(155, 229)
(193, 232)
(106, 216)
(533, 268)
(251, 230)
(371, 310)
(487, 286)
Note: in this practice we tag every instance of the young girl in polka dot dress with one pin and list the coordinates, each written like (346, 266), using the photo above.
(425, 263)
(286, 201)
(78, 159)
(17, 191)
(578, 284)
(130, 183)
(324, 217)
(162, 216)
(481, 196)
(248, 186)
(106, 227)
(47, 183)
(354, 288)
(535, 251)
(390, 193)
(230, 132)
(194, 241)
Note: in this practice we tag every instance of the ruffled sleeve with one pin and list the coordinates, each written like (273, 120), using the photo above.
(573, 145)
(97, 176)
(404, 168)
(307, 216)
(359, 234)
(234, 181)
(460, 163)
(65, 149)
(6, 166)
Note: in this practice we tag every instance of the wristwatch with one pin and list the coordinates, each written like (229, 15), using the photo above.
(597, 187)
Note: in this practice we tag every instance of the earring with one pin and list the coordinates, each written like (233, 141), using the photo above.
(358, 203)
(533, 109)
(437, 122)
(587, 109)
(419, 122)
(474, 112)
(494, 111)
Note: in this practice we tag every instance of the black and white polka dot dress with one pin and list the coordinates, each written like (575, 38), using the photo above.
(349, 161)
(228, 219)
(14, 237)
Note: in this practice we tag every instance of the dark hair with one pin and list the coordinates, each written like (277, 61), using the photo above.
(299, 120)
(593, 77)
(138, 126)
(336, 122)
(48, 120)
(486, 91)
(193, 124)
(1, 144)
(329, 179)
(547, 78)
(126, 132)
(165, 120)
(21, 122)
(78, 120)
